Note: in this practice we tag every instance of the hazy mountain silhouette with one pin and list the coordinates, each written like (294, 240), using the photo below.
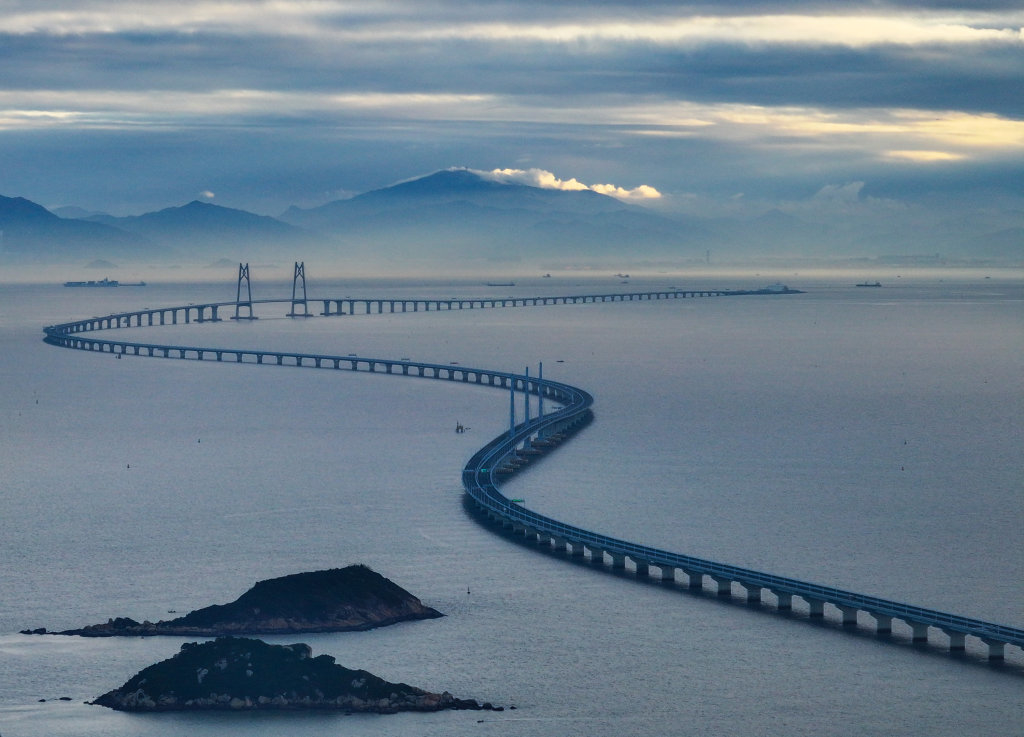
(458, 219)
(201, 229)
(32, 233)
(459, 214)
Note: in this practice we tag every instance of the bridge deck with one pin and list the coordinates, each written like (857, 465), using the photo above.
(501, 455)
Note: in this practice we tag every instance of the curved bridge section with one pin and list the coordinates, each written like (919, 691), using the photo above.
(569, 411)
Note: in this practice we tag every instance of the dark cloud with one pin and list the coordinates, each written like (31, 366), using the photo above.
(109, 112)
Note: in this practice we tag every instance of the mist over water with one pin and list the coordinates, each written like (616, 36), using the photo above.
(862, 438)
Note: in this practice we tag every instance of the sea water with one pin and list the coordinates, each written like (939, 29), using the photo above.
(861, 438)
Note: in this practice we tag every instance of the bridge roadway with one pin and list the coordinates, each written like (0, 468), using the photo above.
(210, 312)
(510, 451)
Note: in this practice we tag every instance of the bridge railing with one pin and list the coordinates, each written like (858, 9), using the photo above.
(480, 474)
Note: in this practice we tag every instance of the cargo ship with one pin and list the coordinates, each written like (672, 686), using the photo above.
(104, 282)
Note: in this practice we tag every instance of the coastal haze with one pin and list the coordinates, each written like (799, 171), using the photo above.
(863, 433)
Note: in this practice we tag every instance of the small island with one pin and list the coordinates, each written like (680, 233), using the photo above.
(335, 600)
(241, 674)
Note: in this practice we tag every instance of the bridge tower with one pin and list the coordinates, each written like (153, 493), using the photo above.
(511, 411)
(243, 275)
(526, 395)
(540, 396)
(300, 273)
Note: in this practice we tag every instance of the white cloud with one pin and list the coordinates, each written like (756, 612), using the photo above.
(207, 194)
(335, 21)
(546, 180)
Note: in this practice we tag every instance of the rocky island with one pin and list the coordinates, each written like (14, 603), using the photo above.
(336, 600)
(241, 674)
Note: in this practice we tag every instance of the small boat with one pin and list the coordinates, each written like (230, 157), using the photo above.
(869, 284)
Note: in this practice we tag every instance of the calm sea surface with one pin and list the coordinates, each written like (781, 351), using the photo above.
(863, 438)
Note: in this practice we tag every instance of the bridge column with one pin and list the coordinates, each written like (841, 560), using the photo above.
(695, 580)
(996, 649)
(753, 592)
(543, 539)
(883, 623)
(597, 556)
(817, 608)
(724, 585)
(849, 616)
(956, 641)
(668, 574)
(920, 631)
(559, 544)
(642, 568)
(785, 601)
(577, 549)
(618, 561)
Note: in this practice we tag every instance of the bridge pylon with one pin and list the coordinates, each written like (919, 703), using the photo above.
(300, 274)
(243, 276)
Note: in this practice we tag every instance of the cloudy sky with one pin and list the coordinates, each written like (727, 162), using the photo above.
(708, 106)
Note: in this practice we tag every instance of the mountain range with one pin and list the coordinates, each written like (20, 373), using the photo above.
(457, 217)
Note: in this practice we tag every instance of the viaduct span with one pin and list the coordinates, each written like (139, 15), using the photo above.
(568, 409)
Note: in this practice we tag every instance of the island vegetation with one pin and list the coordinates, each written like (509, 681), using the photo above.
(242, 674)
(335, 600)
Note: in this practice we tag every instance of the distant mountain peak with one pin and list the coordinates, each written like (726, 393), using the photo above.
(16, 208)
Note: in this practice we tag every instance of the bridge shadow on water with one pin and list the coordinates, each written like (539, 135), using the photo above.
(933, 650)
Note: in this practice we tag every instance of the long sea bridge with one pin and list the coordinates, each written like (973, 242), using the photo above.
(569, 409)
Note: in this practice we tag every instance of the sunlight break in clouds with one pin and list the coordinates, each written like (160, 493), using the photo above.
(547, 180)
(334, 21)
(924, 156)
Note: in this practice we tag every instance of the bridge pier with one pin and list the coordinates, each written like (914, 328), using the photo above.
(785, 601)
(920, 632)
(724, 585)
(618, 561)
(883, 623)
(753, 592)
(668, 574)
(956, 641)
(849, 616)
(817, 608)
(996, 649)
(695, 581)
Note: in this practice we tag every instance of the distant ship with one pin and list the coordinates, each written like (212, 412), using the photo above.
(869, 284)
(102, 283)
(501, 283)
